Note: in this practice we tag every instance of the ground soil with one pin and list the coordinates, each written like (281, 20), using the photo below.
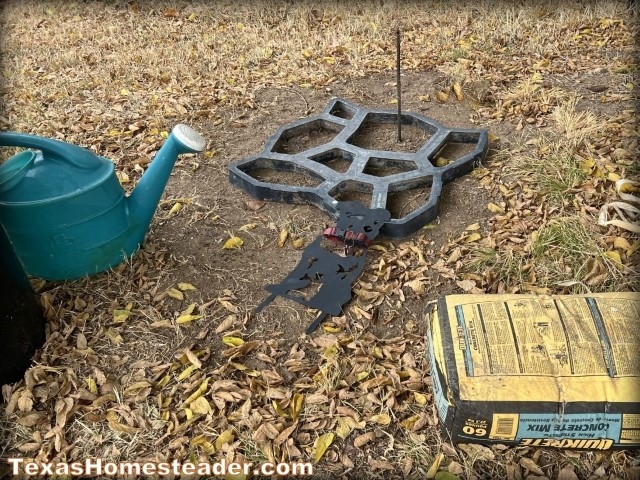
(163, 357)
(215, 210)
(198, 246)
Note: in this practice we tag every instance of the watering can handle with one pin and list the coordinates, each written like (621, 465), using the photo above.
(66, 152)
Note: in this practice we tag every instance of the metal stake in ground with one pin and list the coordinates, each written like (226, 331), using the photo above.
(399, 90)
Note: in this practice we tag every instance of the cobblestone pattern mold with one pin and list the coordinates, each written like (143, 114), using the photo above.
(342, 120)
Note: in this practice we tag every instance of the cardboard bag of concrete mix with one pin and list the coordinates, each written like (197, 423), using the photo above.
(549, 371)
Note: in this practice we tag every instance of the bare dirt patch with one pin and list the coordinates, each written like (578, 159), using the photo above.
(260, 261)
(384, 136)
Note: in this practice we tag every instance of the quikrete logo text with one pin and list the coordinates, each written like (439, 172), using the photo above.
(591, 443)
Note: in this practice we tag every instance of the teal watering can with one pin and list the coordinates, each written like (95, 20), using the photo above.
(64, 209)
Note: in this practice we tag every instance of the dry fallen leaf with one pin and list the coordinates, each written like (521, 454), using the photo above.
(175, 293)
(248, 226)
(228, 305)
(296, 405)
(170, 12)
(363, 439)
(322, 443)
(282, 238)
(202, 442)
(614, 256)
(420, 398)
(567, 473)
(381, 419)
(531, 466)
(382, 464)
(120, 316)
(474, 237)
(442, 161)
(187, 372)
(91, 385)
(343, 429)
(200, 405)
(199, 391)
(418, 286)
(121, 427)
(466, 285)
(114, 336)
(455, 468)
(187, 315)
(226, 324)
(435, 466)
(495, 208)
(233, 242)
(622, 243)
(457, 89)
(233, 341)
(176, 208)
(298, 242)
(476, 451)
(255, 204)
(225, 437)
(284, 435)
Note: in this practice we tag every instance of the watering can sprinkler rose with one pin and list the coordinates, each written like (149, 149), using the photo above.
(64, 209)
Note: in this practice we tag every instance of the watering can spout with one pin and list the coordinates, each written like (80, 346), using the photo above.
(144, 199)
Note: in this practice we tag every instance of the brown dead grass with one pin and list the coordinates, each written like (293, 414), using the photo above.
(115, 76)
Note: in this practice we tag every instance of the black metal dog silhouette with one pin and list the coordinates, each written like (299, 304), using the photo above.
(356, 227)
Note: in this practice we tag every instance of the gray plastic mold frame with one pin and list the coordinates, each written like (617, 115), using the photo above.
(344, 120)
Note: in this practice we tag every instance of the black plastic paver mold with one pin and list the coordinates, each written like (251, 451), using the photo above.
(337, 167)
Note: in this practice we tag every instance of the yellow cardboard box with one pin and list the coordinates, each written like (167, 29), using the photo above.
(550, 371)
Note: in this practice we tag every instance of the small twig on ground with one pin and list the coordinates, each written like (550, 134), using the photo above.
(306, 104)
